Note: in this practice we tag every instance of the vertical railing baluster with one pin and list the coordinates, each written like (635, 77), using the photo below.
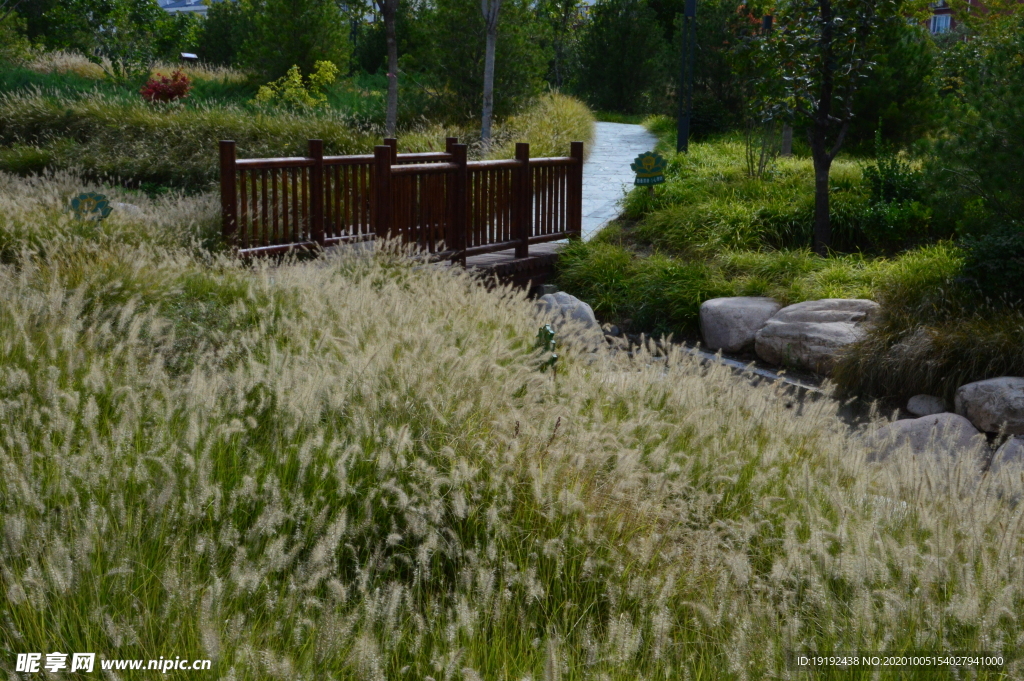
(522, 200)
(275, 220)
(575, 208)
(243, 216)
(381, 183)
(228, 198)
(316, 191)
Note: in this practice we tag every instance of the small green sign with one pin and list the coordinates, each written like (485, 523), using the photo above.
(649, 168)
(90, 206)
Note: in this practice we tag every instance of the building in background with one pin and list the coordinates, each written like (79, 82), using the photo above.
(199, 7)
(941, 20)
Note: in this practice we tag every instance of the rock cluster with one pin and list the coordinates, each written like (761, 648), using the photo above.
(813, 334)
(808, 335)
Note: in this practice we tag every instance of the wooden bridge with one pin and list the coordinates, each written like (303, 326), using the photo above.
(482, 214)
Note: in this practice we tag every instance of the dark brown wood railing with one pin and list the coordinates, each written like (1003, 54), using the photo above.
(450, 207)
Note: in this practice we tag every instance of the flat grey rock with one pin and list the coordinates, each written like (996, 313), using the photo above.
(810, 335)
(993, 404)
(730, 324)
(946, 433)
(926, 405)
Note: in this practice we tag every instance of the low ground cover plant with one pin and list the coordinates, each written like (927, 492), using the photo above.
(260, 465)
(950, 307)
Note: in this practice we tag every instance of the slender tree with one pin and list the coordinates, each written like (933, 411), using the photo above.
(826, 49)
(490, 9)
(389, 10)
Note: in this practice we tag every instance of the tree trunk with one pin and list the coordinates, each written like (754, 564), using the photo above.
(389, 9)
(490, 10)
(822, 168)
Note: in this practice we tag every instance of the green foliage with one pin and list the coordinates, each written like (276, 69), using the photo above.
(117, 136)
(14, 45)
(551, 124)
(124, 37)
(900, 93)
(223, 34)
(627, 61)
(709, 202)
(290, 90)
(622, 55)
(897, 215)
(660, 293)
(977, 174)
(995, 262)
(447, 64)
(283, 33)
(936, 333)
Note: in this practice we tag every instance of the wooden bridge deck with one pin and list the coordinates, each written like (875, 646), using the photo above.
(533, 270)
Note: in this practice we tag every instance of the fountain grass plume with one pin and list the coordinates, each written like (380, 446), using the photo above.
(351, 467)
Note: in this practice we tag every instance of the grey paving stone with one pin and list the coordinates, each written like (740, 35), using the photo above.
(606, 174)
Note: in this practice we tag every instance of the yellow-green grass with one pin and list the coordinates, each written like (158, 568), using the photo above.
(126, 139)
(351, 468)
(66, 61)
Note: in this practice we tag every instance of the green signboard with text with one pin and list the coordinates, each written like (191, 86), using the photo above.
(649, 168)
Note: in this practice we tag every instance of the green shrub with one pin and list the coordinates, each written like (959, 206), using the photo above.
(995, 263)
(936, 334)
(291, 90)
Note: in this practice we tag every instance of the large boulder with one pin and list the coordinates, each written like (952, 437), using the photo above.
(939, 434)
(993, 404)
(729, 324)
(570, 315)
(926, 405)
(1011, 453)
(810, 335)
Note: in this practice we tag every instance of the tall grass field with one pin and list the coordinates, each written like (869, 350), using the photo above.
(354, 468)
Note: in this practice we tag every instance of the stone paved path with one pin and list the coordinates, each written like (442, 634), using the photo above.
(606, 174)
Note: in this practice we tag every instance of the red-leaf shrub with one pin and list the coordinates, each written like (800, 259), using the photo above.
(164, 89)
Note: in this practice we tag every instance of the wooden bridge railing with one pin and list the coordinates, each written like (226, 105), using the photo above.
(449, 206)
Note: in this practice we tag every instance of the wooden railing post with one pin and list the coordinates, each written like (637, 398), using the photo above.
(393, 143)
(228, 194)
(522, 200)
(381, 181)
(458, 187)
(575, 207)
(316, 191)
(450, 142)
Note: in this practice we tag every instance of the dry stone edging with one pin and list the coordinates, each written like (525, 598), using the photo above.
(811, 334)
(947, 432)
(993, 404)
(730, 324)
